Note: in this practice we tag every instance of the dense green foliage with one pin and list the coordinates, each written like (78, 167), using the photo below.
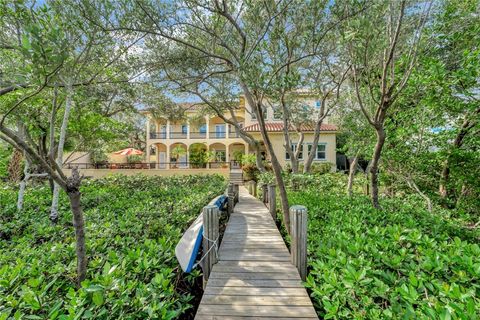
(4, 158)
(401, 262)
(132, 227)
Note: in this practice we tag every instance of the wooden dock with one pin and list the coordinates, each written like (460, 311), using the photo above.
(254, 278)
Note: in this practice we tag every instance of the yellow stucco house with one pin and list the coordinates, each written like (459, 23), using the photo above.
(165, 137)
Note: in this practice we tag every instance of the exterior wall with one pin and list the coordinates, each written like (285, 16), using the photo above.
(76, 157)
(230, 142)
(84, 157)
(116, 158)
(99, 173)
(308, 100)
(278, 143)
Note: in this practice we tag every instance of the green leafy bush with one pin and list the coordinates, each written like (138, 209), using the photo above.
(98, 156)
(134, 158)
(250, 172)
(5, 153)
(132, 227)
(249, 159)
(322, 168)
(399, 263)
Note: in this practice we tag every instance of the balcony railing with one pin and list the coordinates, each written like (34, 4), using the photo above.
(194, 135)
(233, 134)
(178, 135)
(158, 135)
(217, 135)
(198, 135)
(153, 165)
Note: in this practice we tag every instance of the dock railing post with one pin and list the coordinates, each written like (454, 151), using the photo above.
(254, 188)
(272, 201)
(298, 221)
(210, 240)
(231, 198)
(265, 193)
(236, 188)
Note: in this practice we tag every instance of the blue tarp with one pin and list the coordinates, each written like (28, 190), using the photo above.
(189, 245)
(221, 202)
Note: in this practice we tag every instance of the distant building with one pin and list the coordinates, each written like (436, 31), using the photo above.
(212, 134)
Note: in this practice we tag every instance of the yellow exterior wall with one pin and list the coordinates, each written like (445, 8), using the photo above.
(278, 142)
(242, 113)
(76, 157)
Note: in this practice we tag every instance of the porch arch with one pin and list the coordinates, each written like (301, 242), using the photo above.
(178, 155)
(198, 155)
(160, 155)
(236, 150)
(219, 155)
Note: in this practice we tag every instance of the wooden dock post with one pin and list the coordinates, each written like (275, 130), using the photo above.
(298, 222)
(237, 191)
(272, 201)
(231, 199)
(265, 193)
(210, 240)
(254, 188)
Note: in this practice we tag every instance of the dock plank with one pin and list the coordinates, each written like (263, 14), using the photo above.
(254, 278)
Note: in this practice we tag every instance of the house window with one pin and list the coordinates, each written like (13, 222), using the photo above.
(321, 153)
(294, 149)
(265, 113)
(318, 104)
(277, 113)
(220, 131)
(184, 129)
(203, 128)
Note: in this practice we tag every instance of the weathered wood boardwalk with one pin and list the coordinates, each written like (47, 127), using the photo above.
(254, 278)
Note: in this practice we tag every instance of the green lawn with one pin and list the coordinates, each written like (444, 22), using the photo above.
(399, 263)
(132, 227)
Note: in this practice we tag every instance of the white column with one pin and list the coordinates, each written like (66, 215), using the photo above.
(168, 129)
(227, 130)
(148, 130)
(207, 124)
(227, 151)
(167, 160)
(147, 155)
(188, 130)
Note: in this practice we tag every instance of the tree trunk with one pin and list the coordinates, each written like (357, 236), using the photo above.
(351, 174)
(414, 186)
(311, 155)
(23, 184)
(258, 159)
(467, 125)
(294, 164)
(59, 160)
(444, 176)
(286, 135)
(15, 166)
(277, 168)
(375, 162)
(73, 191)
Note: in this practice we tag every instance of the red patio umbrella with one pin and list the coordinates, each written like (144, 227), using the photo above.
(129, 152)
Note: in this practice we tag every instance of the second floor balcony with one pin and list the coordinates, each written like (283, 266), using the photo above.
(194, 135)
(210, 128)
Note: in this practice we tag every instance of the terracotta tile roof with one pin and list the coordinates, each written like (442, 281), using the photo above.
(277, 126)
